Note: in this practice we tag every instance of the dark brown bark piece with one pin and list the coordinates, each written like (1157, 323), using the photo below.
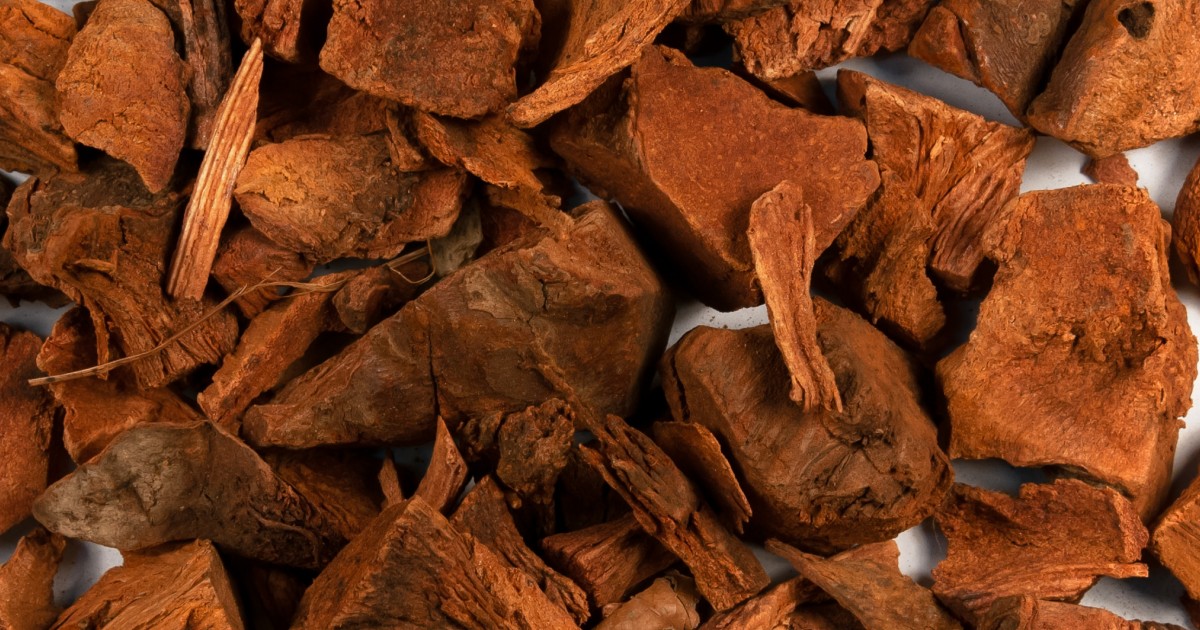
(342, 485)
(867, 582)
(669, 603)
(608, 559)
(821, 479)
(772, 608)
(290, 30)
(246, 258)
(1114, 169)
(103, 240)
(1185, 225)
(698, 453)
(579, 314)
(1006, 46)
(302, 100)
(1083, 335)
(667, 507)
(671, 143)
(269, 594)
(484, 515)
(447, 473)
(1174, 538)
(390, 482)
(105, 100)
(175, 587)
(1028, 613)
(27, 582)
(26, 419)
(1126, 78)
(412, 568)
(453, 58)
(1052, 542)
(333, 197)
(158, 483)
(376, 293)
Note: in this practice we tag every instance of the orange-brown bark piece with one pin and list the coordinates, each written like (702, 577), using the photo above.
(1174, 538)
(341, 484)
(158, 483)
(26, 419)
(800, 90)
(204, 31)
(246, 258)
(1082, 356)
(390, 482)
(454, 58)
(726, 10)
(105, 100)
(377, 293)
(1114, 169)
(447, 472)
(671, 143)
(821, 479)
(1185, 225)
(1125, 79)
(946, 174)
(34, 37)
(772, 608)
(27, 582)
(666, 505)
(103, 240)
(607, 559)
(1053, 541)
(1006, 46)
(1028, 613)
(698, 453)
(412, 568)
(290, 30)
(176, 587)
(491, 149)
(669, 603)
(867, 582)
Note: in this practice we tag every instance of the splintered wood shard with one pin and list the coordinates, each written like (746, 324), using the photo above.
(698, 453)
(446, 475)
(212, 193)
(26, 419)
(608, 559)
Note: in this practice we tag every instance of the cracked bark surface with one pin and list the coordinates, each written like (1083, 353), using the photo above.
(26, 420)
(27, 582)
(608, 559)
(1174, 539)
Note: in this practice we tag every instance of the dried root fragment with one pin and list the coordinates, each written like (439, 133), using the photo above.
(698, 453)
(158, 483)
(669, 603)
(106, 101)
(772, 608)
(821, 479)
(26, 419)
(454, 57)
(447, 472)
(175, 587)
(342, 485)
(290, 30)
(608, 559)
(1114, 169)
(867, 582)
(1052, 542)
(672, 144)
(1082, 356)
(1174, 536)
(1126, 79)
(27, 582)
(245, 258)
(1028, 613)
(1185, 225)
(412, 568)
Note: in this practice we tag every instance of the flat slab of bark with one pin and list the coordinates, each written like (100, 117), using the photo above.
(1051, 542)
(1027, 613)
(454, 58)
(105, 101)
(1114, 169)
(608, 559)
(669, 603)
(26, 420)
(103, 240)
(867, 582)
(698, 453)
(290, 30)
(581, 311)
(1174, 536)
(672, 144)
(246, 257)
(946, 174)
(1084, 336)
(666, 505)
(159, 483)
(412, 568)
(821, 479)
(1185, 225)
(27, 581)
(176, 587)
(300, 100)
(1125, 79)
(1006, 46)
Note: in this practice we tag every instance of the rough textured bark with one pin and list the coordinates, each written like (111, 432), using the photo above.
(447, 473)
(204, 29)
(1114, 169)
(245, 258)
(26, 420)
(1082, 356)
(105, 101)
(1052, 542)
(1174, 539)
(1027, 613)
(726, 10)
(821, 479)
(772, 608)
(34, 37)
(490, 149)
(299, 100)
(1126, 78)
(290, 30)
(377, 293)
(608, 559)
(582, 498)
(341, 484)
(1185, 225)
(671, 143)
(669, 603)
(159, 483)
(27, 582)
(698, 453)
(15, 283)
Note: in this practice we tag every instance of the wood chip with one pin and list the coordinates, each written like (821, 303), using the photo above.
(669, 603)
(608, 559)
(698, 453)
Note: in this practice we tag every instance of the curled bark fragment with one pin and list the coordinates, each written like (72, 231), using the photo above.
(669, 603)
(1028, 613)
(27, 582)
(1174, 536)
(1185, 225)
(246, 257)
(698, 453)
(447, 472)
(1114, 169)
(26, 419)
(608, 559)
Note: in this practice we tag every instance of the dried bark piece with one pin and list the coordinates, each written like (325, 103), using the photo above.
(799, 90)
(484, 515)
(1174, 536)
(1005, 46)
(727, 10)
(302, 100)
(27, 582)
(176, 587)
(583, 499)
(503, 333)
(820, 479)
(245, 258)
(454, 58)
(1052, 542)
(389, 482)
(212, 193)
(669, 603)
(867, 582)
(447, 472)
(490, 149)
(1185, 225)
(1125, 79)
(667, 507)
(599, 39)
(206, 53)
(1110, 353)
(672, 144)
(333, 197)
(158, 483)
(290, 30)
(1114, 169)
(412, 568)
(802, 35)
(1028, 613)
(772, 608)
(34, 37)
(26, 420)
(105, 101)
(784, 251)
(102, 240)
(269, 594)
(609, 559)
(377, 293)
(342, 485)
(698, 453)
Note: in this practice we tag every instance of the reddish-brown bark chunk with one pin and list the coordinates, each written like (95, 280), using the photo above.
(1028, 613)
(27, 582)
(1185, 225)
(26, 419)
(608, 559)
(1174, 539)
